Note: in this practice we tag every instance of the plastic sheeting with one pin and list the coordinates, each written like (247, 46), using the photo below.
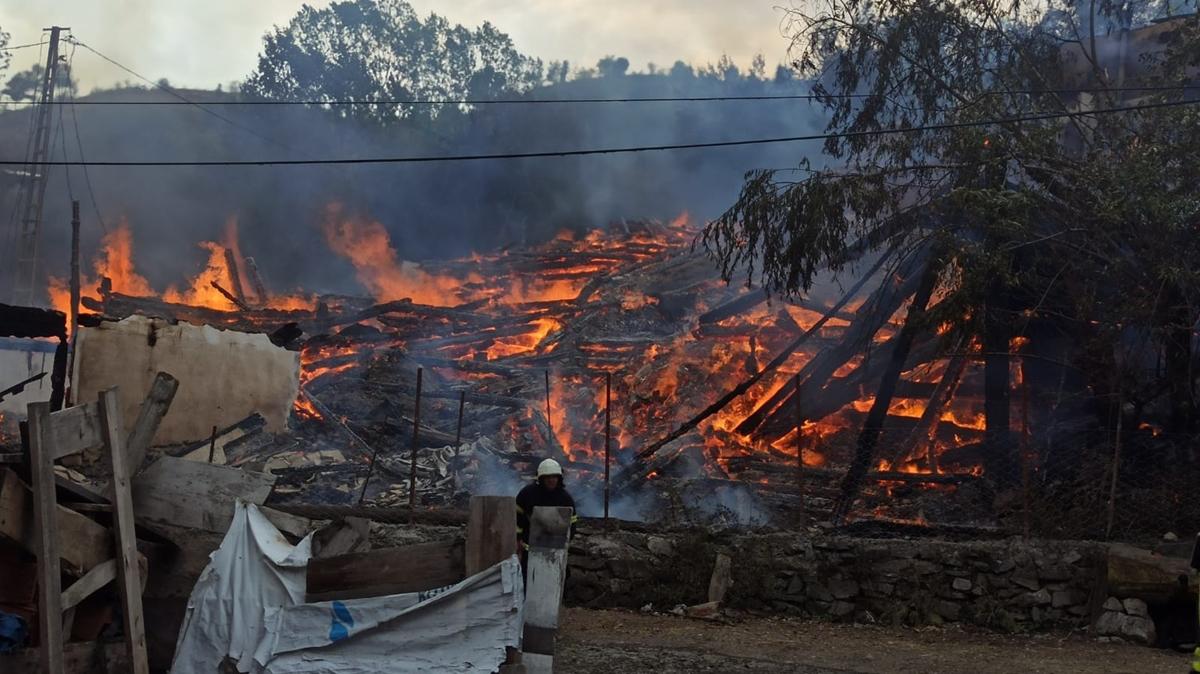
(248, 606)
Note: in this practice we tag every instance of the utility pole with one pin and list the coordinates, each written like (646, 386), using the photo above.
(33, 187)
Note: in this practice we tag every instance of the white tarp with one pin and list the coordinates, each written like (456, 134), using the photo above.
(248, 605)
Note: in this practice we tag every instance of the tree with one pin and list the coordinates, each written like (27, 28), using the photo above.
(1085, 224)
(5, 56)
(381, 49)
(25, 85)
(612, 66)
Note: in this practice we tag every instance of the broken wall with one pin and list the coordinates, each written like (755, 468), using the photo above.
(224, 376)
(19, 360)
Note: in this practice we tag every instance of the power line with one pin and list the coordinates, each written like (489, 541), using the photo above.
(570, 101)
(23, 46)
(621, 150)
(183, 100)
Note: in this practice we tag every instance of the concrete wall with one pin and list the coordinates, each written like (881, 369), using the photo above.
(224, 376)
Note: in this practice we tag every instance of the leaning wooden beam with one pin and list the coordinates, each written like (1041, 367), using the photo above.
(867, 439)
(93, 580)
(154, 408)
(41, 459)
(126, 540)
(549, 535)
(638, 468)
(875, 312)
(925, 431)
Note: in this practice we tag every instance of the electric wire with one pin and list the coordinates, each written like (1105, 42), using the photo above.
(629, 149)
(570, 101)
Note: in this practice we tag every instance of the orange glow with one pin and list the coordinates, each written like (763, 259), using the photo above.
(369, 248)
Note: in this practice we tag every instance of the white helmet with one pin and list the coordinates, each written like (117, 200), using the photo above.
(549, 467)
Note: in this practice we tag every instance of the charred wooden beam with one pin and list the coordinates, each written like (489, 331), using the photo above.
(640, 467)
(875, 312)
(867, 439)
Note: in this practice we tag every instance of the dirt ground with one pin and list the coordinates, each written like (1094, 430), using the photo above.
(623, 642)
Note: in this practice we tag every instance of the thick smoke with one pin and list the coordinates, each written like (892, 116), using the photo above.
(431, 210)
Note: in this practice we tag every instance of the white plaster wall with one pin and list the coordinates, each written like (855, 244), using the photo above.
(16, 366)
(224, 376)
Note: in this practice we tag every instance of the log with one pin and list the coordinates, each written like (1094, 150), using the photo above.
(1140, 574)
(411, 568)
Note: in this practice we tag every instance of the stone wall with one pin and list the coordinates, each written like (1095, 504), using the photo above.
(1005, 585)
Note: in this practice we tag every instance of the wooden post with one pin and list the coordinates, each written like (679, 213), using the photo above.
(801, 511)
(462, 403)
(75, 285)
(128, 577)
(41, 459)
(607, 436)
(549, 419)
(1025, 456)
(1116, 468)
(491, 532)
(412, 472)
(260, 288)
(548, 537)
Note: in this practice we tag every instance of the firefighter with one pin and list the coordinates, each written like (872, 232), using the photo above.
(546, 491)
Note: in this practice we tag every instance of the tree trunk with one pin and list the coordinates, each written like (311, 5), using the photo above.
(1001, 462)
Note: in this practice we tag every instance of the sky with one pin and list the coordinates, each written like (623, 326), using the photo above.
(203, 43)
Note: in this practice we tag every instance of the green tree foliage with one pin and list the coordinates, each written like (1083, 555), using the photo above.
(1088, 222)
(5, 56)
(381, 49)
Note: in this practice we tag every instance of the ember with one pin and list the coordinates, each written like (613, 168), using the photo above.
(634, 301)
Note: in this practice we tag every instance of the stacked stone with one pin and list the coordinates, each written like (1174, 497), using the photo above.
(1126, 619)
(1004, 585)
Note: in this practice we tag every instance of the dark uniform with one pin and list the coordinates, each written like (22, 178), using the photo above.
(535, 496)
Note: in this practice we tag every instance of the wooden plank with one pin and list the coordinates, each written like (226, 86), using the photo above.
(123, 527)
(41, 459)
(98, 577)
(549, 531)
(82, 657)
(154, 408)
(410, 568)
(195, 494)
(74, 429)
(343, 536)
(121, 498)
(82, 543)
(491, 532)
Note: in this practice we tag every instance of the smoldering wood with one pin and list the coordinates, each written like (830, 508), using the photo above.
(869, 436)
(639, 469)
(875, 312)
(235, 280)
